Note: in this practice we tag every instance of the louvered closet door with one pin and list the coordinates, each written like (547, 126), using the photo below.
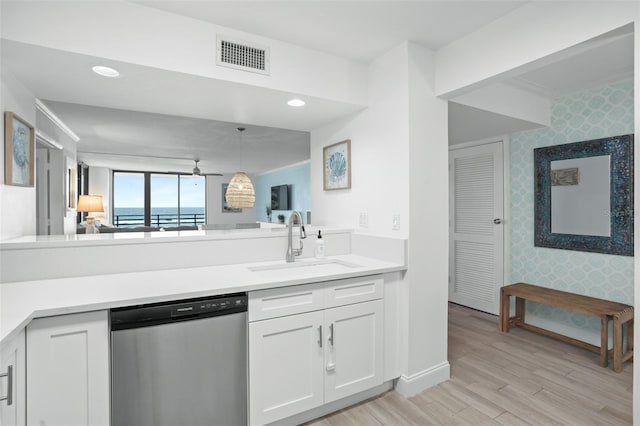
(476, 247)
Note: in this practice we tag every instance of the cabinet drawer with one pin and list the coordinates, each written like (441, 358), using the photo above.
(354, 290)
(278, 302)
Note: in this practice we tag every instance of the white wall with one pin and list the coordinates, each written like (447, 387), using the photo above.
(399, 151)
(17, 204)
(100, 183)
(379, 155)
(429, 237)
(142, 35)
(214, 204)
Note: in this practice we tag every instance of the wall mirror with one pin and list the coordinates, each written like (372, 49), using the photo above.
(584, 196)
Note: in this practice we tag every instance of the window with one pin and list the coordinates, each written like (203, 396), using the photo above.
(158, 199)
(128, 199)
(192, 200)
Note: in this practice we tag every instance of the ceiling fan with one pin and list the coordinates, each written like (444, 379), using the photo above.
(198, 172)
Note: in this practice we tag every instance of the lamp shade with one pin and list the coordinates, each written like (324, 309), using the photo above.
(240, 193)
(90, 203)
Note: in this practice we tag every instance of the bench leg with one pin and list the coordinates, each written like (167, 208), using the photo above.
(630, 335)
(504, 311)
(617, 344)
(604, 341)
(520, 309)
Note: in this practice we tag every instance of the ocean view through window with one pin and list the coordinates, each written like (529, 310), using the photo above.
(162, 200)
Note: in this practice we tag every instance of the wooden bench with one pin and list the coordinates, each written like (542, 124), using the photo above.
(604, 309)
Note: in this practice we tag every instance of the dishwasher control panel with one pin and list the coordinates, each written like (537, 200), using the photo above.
(179, 310)
(209, 305)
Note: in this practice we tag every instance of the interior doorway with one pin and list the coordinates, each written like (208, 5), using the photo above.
(50, 205)
(476, 226)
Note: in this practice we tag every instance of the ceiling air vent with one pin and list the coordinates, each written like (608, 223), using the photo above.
(242, 56)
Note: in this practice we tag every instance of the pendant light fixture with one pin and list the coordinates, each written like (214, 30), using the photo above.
(240, 193)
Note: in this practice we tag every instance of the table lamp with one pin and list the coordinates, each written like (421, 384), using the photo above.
(89, 204)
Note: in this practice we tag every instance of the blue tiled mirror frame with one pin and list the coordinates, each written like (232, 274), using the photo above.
(620, 148)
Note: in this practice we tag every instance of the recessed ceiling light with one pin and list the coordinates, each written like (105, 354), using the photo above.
(296, 103)
(106, 71)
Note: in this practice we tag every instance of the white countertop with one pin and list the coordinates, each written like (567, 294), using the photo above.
(24, 301)
(124, 238)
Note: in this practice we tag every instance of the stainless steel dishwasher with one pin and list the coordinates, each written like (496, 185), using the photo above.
(180, 363)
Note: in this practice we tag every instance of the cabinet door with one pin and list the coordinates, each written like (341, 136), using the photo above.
(68, 370)
(13, 355)
(354, 350)
(285, 366)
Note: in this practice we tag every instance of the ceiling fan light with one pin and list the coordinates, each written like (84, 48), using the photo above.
(240, 193)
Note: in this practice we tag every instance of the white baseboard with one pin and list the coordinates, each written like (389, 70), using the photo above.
(409, 386)
(334, 406)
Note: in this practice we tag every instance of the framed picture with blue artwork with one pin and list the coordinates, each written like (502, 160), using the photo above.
(337, 166)
(225, 208)
(19, 147)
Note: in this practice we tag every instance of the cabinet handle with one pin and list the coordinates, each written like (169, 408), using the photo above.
(9, 376)
(320, 331)
(331, 334)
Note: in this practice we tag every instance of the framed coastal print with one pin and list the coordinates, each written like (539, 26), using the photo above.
(225, 208)
(337, 166)
(19, 146)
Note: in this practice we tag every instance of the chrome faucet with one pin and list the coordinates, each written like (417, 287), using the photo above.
(291, 252)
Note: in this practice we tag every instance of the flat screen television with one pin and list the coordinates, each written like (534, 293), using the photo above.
(281, 197)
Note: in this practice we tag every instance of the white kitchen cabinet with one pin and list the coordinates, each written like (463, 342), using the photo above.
(13, 362)
(302, 361)
(285, 366)
(353, 355)
(68, 370)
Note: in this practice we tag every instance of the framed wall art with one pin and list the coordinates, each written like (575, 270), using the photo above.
(19, 147)
(337, 166)
(225, 208)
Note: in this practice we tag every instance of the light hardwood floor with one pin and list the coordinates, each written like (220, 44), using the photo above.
(515, 378)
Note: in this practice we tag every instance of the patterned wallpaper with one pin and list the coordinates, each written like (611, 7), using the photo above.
(597, 113)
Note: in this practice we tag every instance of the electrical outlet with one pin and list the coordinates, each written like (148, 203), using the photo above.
(364, 220)
(395, 223)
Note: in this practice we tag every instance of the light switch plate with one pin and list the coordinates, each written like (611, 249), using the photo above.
(364, 220)
(395, 224)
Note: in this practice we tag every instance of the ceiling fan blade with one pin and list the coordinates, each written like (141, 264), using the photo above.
(211, 174)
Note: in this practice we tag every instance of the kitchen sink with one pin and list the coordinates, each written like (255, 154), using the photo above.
(313, 266)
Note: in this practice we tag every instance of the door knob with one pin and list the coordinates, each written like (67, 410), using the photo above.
(497, 221)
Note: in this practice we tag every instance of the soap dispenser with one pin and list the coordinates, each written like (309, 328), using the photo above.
(319, 251)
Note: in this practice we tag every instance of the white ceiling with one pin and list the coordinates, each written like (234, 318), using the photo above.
(595, 63)
(130, 140)
(359, 30)
(601, 61)
(157, 103)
